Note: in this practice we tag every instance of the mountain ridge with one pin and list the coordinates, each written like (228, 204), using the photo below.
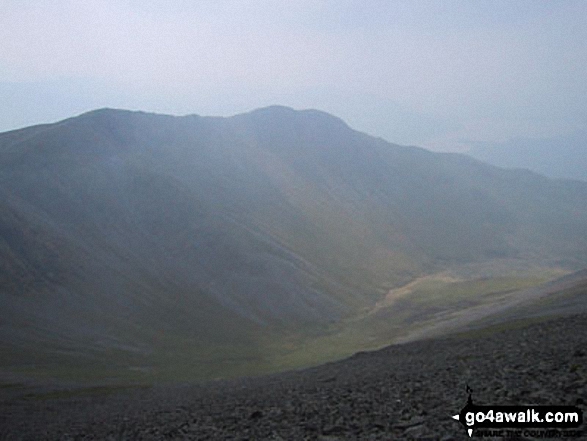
(159, 231)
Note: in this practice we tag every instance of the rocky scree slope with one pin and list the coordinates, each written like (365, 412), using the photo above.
(404, 391)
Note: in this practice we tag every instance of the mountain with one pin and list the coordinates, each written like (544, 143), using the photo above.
(204, 246)
(563, 157)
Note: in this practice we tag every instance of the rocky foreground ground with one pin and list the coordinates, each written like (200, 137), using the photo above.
(405, 391)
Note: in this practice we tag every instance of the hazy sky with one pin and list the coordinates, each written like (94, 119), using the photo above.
(431, 73)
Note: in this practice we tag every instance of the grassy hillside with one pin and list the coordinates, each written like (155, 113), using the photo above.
(199, 247)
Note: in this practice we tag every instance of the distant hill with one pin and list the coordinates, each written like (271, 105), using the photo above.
(157, 242)
(563, 157)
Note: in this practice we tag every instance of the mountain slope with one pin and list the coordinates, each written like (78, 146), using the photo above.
(149, 240)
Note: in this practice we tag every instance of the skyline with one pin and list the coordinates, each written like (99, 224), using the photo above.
(439, 75)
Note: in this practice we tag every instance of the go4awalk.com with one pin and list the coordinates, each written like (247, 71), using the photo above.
(520, 421)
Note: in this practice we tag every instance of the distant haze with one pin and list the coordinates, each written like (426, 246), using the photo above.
(559, 157)
(442, 75)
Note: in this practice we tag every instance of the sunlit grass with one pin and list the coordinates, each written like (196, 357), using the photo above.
(177, 358)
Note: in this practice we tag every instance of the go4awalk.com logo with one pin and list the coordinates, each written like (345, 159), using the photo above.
(515, 421)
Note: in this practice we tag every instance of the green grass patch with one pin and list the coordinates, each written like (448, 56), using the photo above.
(178, 358)
(95, 391)
(489, 330)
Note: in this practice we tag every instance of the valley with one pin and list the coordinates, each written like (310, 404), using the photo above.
(138, 248)
(407, 391)
(307, 220)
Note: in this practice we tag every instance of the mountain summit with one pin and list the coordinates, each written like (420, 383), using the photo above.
(139, 235)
